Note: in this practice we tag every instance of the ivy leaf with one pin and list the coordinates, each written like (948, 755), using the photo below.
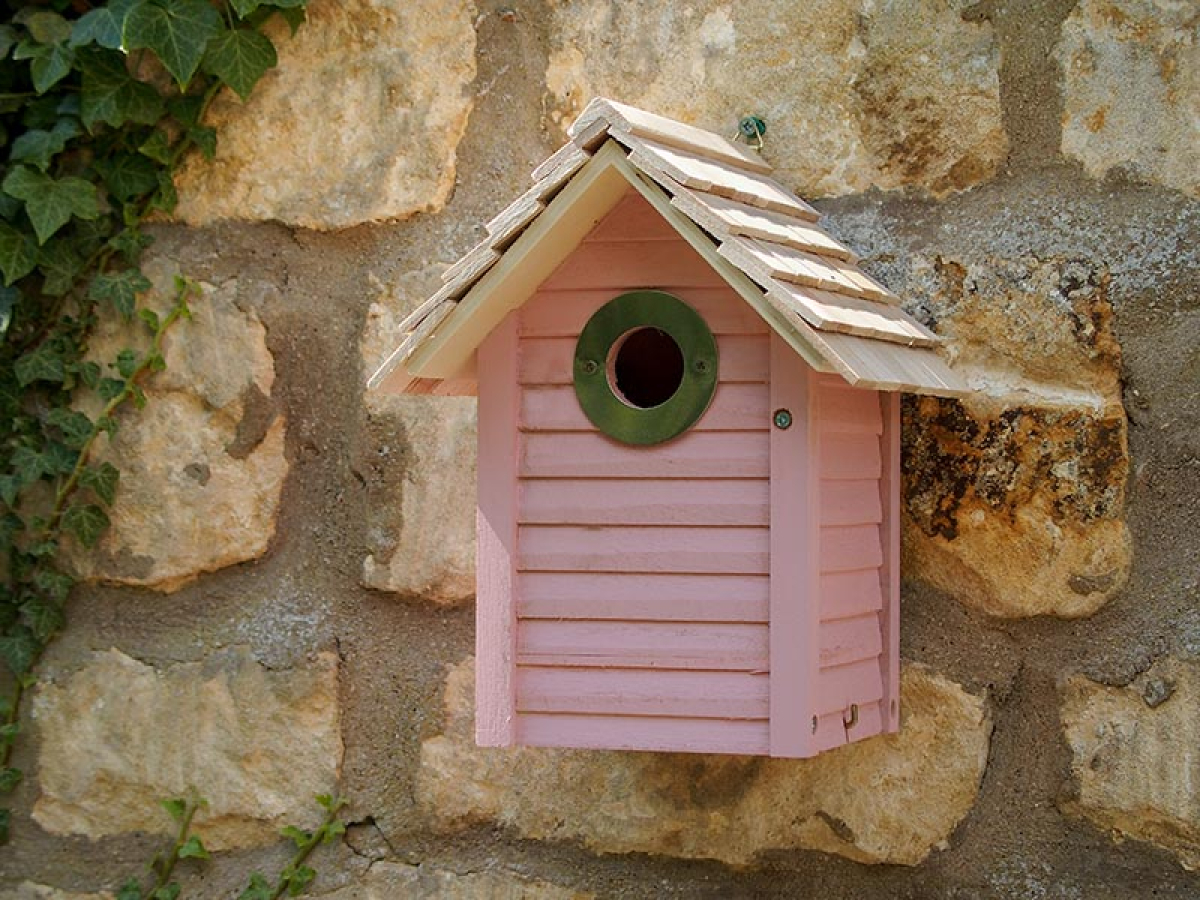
(60, 262)
(294, 16)
(130, 890)
(157, 147)
(128, 175)
(193, 848)
(333, 831)
(50, 202)
(205, 138)
(18, 253)
(109, 388)
(130, 242)
(86, 521)
(44, 363)
(9, 486)
(9, 779)
(55, 585)
(300, 838)
(120, 289)
(240, 58)
(166, 892)
(176, 808)
(18, 649)
(8, 39)
(8, 299)
(258, 889)
(178, 31)
(186, 109)
(50, 62)
(127, 363)
(102, 25)
(59, 459)
(76, 428)
(298, 879)
(111, 95)
(39, 146)
(167, 197)
(43, 618)
(103, 480)
(48, 27)
(244, 7)
(27, 465)
(88, 372)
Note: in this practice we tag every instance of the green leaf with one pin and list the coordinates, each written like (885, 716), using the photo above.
(257, 889)
(39, 146)
(128, 175)
(120, 289)
(9, 487)
(186, 109)
(27, 465)
(8, 299)
(18, 253)
(18, 649)
(178, 31)
(130, 890)
(102, 480)
(48, 27)
(127, 363)
(60, 264)
(8, 39)
(41, 364)
(102, 25)
(193, 848)
(244, 7)
(76, 428)
(167, 197)
(86, 521)
(240, 58)
(130, 242)
(333, 831)
(50, 63)
(293, 16)
(157, 147)
(49, 202)
(300, 838)
(111, 95)
(9, 779)
(298, 879)
(109, 388)
(59, 459)
(88, 372)
(9, 732)
(150, 317)
(44, 618)
(55, 585)
(166, 892)
(205, 138)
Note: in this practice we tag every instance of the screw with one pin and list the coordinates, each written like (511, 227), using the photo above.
(590, 366)
(782, 419)
(700, 365)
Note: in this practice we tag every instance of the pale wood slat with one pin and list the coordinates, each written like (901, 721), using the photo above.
(845, 595)
(763, 261)
(660, 645)
(832, 311)
(617, 501)
(721, 216)
(471, 267)
(734, 407)
(660, 597)
(563, 313)
(641, 692)
(851, 502)
(670, 166)
(858, 682)
(697, 454)
(643, 733)
(849, 548)
(550, 360)
(630, 121)
(849, 409)
(621, 265)
(562, 163)
(845, 641)
(832, 731)
(711, 550)
(888, 366)
(850, 455)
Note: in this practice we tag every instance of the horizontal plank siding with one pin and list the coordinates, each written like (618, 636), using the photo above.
(845, 549)
(622, 501)
(549, 360)
(734, 407)
(846, 409)
(642, 692)
(642, 733)
(571, 548)
(845, 595)
(647, 597)
(849, 455)
(695, 455)
(624, 265)
(845, 641)
(663, 645)
(839, 687)
(852, 502)
(563, 313)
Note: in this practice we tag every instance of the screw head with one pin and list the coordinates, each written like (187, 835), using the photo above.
(701, 366)
(589, 366)
(782, 419)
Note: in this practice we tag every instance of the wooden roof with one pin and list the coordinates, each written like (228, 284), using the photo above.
(761, 238)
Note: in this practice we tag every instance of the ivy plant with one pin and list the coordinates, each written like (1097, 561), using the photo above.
(100, 100)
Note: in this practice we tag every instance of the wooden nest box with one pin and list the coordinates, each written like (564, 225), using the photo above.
(689, 452)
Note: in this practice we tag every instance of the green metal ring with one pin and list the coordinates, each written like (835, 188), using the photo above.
(605, 408)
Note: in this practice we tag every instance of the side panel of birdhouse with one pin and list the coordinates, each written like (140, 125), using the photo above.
(641, 572)
(855, 472)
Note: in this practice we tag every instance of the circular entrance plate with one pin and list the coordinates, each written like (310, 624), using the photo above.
(605, 402)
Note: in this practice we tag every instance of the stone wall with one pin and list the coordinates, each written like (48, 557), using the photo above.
(283, 606)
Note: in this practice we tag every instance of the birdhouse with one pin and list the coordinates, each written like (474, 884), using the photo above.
(689, 452)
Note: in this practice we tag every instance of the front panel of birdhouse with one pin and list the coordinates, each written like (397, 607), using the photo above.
(731, 589)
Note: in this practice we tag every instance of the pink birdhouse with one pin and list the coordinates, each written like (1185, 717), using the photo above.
(689, 452)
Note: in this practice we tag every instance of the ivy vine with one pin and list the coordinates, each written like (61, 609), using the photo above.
(99, 103)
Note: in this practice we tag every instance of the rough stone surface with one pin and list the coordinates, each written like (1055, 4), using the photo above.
(915, 787)
(203, 465)
(396, 881)
(1131, 85)
(1136, 755)
(1039, 468)
(28, 890)
(884, 95)
(421, 507)
(359, 122)
(118, 736)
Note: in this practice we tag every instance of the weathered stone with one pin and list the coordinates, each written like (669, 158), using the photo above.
(359, 123)
(889, 799)
(202, 466)
(421, 509)
(1136, 762)
(1040, 468)
(1131, 88)
(396, 881)
(28, 890)
(888, 95)
(118, 736)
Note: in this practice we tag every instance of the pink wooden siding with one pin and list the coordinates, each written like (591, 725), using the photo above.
(853, 657)
(641, 573)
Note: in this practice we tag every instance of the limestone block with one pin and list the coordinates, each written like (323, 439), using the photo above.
(359, 123)
(29, 890)
(421, 508)
(855, 96)
(396, 881)
(1038, 469)
(203, 465)
(1131, 90)
(889, 799)
(118, 736)
(1136, 756)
